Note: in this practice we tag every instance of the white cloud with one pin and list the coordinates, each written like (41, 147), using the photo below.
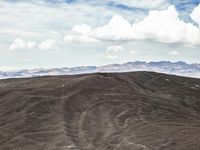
(82, 29)
(80, 35)
(47, 44)
(32, 21)
(80, 39)
(12, 46)
(21, 44)
(113, 51)
(163, 26)
(195, 15)
(145, 4)
(31, 44)
(17, 44)
(174, 53)
(117, 29)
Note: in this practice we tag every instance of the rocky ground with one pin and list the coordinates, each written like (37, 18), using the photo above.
(101, 111)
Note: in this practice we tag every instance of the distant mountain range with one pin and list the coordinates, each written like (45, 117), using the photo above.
(175, 68)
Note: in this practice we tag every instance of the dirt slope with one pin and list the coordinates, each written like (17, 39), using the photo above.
(102, 111)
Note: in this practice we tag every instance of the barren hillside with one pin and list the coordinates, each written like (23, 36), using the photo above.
(101, 111)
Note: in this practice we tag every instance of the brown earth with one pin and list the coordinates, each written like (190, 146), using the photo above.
(101, 111)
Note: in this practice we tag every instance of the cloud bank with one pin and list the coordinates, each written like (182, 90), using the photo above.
(163, 26)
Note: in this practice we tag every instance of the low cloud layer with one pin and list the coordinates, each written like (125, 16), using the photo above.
(163, 26)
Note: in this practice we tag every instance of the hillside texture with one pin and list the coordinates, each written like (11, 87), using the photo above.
(102, 111)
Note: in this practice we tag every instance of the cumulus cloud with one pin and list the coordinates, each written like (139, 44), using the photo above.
(21, 44)
(80, 35)
(117, 29)
(163, 26)
(47, 44)
(17, 44)
(195, 15)
(113, 51)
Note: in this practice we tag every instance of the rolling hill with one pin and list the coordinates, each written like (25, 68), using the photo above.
(100, 111)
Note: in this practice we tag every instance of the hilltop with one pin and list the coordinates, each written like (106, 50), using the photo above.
(100, 111)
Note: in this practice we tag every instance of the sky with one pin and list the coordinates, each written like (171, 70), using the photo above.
(68, 33)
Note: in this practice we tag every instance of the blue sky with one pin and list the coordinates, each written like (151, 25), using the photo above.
(66, 33)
